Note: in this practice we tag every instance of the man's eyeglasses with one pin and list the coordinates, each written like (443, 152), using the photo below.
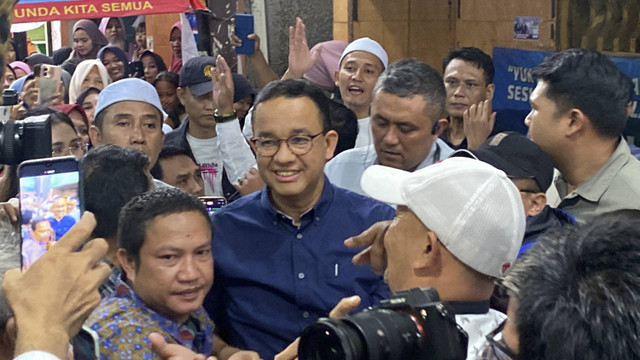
(78, 149)
(499, 346)
(297, 144)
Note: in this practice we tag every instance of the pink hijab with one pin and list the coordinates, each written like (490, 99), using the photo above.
(323, 71)
(176, 62)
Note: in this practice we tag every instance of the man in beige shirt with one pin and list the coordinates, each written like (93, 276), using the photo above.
(578, 113)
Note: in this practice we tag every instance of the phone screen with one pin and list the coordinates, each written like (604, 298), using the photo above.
(49, 204)
(213, 203)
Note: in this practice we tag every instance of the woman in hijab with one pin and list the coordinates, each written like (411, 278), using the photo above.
(89, 73)
(175, 40)
(87, 40)
(115, 61)
(153, 65)
(113, 30)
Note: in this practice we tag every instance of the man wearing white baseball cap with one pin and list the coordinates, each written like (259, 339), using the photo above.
(458, 226)
(129, 114)
(361, 63)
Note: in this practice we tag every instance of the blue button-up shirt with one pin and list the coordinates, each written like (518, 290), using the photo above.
(273, 278)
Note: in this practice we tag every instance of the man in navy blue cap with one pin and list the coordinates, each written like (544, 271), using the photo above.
(531, 170)
(197, 135)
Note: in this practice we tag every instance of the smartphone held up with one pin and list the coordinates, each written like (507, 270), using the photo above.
(50, 203)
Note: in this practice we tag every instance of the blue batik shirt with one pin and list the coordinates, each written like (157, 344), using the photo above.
(123, 323)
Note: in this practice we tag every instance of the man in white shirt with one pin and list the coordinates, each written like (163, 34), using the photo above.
(406, 120)
(361, 64)
(458, 226)
(197, 135)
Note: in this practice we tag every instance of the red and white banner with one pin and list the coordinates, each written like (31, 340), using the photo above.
(49, 10)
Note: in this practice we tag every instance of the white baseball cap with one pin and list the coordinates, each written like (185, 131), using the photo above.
(131, 89)
(473, 208)
(368, 45)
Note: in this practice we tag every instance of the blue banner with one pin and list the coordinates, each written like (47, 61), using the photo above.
(514, 82)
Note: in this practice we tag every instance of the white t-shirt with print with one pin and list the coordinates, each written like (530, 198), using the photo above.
(209, 160)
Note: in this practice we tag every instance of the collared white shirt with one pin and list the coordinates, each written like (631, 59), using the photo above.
(345, 170)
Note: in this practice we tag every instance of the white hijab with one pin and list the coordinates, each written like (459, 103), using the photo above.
(81, 72)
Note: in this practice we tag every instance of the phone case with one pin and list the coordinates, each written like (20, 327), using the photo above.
(244, 27)
(48, 82)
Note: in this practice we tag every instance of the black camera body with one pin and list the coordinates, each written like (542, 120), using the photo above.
(26, 139)
(411, 325)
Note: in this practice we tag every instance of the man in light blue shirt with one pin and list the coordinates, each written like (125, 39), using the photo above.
(406, 120)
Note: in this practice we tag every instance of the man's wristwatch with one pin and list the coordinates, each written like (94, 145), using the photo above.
(224, 117)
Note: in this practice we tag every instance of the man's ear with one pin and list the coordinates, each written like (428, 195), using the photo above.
(578, 121)
(181, 92)
(128, 264)
(95, 135)
(536, 203)
(331, 141)
(429, 258)
(442, 125)
(491, 89)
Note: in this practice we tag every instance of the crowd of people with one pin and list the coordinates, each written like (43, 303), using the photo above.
(347, 179)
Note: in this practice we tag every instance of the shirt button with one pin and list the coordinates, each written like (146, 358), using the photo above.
(317, 218)
(299, 236)
(305, 315)
(301, 276)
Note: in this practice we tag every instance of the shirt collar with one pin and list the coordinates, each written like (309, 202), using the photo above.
(595, 187)
(433, 156)
(318, 210)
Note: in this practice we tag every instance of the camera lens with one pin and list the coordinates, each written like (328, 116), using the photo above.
(331, 340)
(370, 335)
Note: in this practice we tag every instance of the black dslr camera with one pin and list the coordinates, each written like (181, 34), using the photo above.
(22, 140)
(413, 324)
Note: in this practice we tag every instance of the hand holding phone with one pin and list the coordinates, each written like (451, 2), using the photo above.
(49, 203)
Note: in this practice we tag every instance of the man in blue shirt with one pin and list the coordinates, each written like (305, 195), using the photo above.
(280, 258)
(60, 221)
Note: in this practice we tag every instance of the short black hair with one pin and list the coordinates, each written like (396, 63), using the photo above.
(137, 213)
(408, 78)
(85, 93)
(166, 153)
(157, 58)
(294, 89)
(142, 26)
(345, 123)
(112, 176)
(474, 56)
(589, 81)
(169, 77)
(577, 290)
(37, 221)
